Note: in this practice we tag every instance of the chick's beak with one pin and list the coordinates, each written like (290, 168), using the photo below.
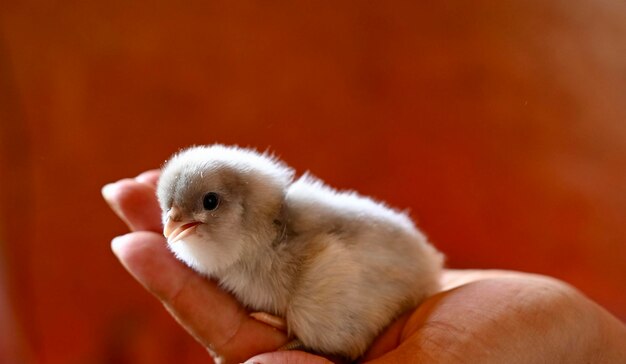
(176, 228)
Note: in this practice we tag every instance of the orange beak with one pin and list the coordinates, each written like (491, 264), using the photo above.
(175, 228)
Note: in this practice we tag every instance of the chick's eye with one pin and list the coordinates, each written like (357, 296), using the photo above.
(210, 201)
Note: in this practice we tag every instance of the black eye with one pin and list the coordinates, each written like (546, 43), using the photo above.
(210, 201)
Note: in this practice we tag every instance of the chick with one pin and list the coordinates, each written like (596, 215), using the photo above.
(336, 266)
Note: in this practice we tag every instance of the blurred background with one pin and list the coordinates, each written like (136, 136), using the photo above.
(500, 125)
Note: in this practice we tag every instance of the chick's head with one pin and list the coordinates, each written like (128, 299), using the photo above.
(220, 203)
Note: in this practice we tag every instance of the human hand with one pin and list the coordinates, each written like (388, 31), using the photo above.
(479, 316)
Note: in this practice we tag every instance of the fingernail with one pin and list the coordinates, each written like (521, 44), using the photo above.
(117, 243)
(146, 177)
(107, 191)
(110, 193)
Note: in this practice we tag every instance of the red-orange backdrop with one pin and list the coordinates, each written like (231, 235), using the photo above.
(500, 125)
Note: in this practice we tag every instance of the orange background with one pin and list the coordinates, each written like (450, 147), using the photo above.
(500, 125)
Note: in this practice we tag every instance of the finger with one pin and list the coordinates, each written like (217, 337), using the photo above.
(150, 177)
(135, 203)
(286, 357)
(211, 315)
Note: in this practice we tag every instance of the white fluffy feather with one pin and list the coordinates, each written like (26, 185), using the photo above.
(338, 266)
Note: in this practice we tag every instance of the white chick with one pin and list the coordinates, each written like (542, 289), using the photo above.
(336, 266)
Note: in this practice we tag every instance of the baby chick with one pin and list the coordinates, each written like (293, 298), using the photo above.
(336, 266)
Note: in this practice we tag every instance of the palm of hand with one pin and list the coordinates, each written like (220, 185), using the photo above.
(479, 316)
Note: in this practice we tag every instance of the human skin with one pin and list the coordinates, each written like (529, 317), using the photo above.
(479, 316)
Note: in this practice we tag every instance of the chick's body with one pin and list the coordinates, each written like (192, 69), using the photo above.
(337, 266)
